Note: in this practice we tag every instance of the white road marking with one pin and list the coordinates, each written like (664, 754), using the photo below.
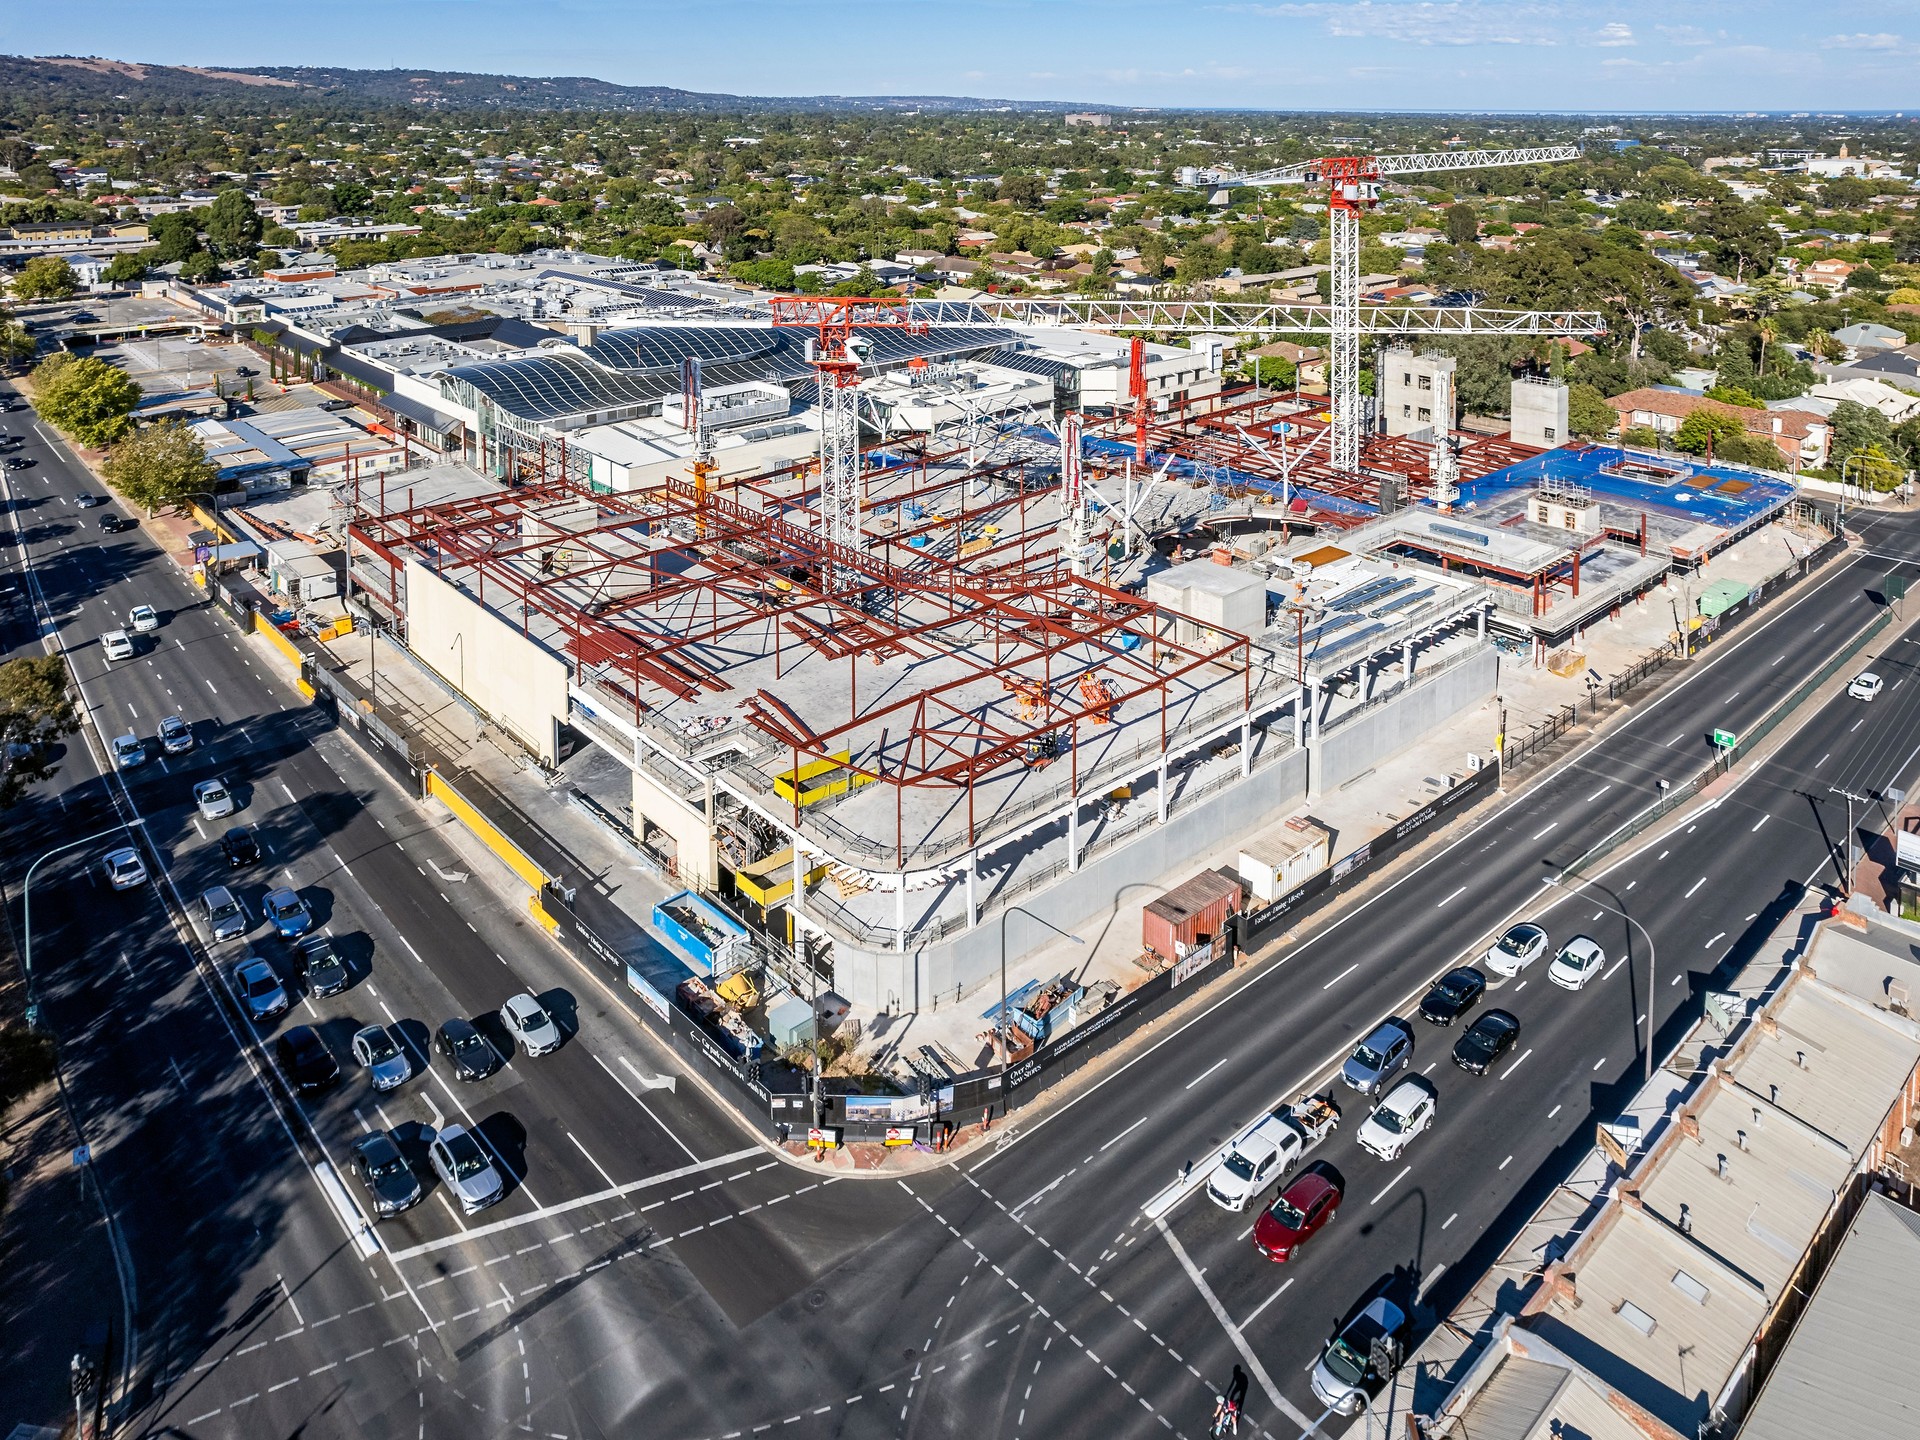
(1516, 1064)
(1715, 941)
(1266, 1302)
(1696, 885)
(1758, 823)
(1455, 896)
(1293, 1412)
(1206, 1072)
(1123, 1135)
(1341, 976)
(1550, 825)
(1390, 1184)
(1598, 793)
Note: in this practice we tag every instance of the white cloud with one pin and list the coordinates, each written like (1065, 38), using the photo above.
(1880, 41)
(1423, 22)
(1614, 34)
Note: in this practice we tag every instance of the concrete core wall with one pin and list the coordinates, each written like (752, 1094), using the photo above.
(1410, 387)
(1361, 742)
(1540, 413)
(515, 681)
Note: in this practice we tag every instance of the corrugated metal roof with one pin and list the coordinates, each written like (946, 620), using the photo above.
(1850, 1367)
(1515, 1398)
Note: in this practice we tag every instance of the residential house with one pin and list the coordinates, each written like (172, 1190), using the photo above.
(1896, 405)
(1863, 336)
(1831, 275)
(1801, 437)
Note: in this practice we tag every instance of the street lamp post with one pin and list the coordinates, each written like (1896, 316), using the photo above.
(1006, 1103)
(1559, 882)
(26, 899)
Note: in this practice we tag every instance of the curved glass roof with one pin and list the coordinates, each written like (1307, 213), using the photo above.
(556, 386)
(661, 347)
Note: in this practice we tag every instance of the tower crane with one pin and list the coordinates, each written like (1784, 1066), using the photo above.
(1353, 187)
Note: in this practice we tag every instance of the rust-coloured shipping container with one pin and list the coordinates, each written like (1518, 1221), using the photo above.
(1190, 914)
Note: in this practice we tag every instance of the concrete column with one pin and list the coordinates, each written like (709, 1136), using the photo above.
(1406, 659)
(1073, 835)
(1300, 716)
(1313, 710)
(1480, 623)
(1246, 744)
(1160, 790)
(973, 869)
(900, 913)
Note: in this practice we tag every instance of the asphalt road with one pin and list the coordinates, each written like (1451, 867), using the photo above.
(651, 1272)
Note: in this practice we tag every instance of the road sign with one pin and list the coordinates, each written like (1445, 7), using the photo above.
(1725, 739)
(82, 1154)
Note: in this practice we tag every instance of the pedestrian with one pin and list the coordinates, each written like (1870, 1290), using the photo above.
(1186, 1172)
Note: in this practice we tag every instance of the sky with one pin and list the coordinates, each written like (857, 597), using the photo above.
(1449, 55)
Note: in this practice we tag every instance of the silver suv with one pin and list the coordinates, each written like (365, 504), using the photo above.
(1379, 1057)
(225, 913)
(465, 1168)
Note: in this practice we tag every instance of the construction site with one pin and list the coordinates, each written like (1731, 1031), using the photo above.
(875, 621)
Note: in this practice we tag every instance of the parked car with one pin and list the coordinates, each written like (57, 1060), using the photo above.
(322, 970)
(129, 750)
(259, 989)
(465, 1168)
(125, 869)
(1358, 1361)
(214, 799)
(225, 913)
(384, 1173)
(240, 848)
(1379, 1057)
(176, 735)
(287, 911)
(144, 619)
(1865, 686)
(1579, 960)
(306, 1061)
(1516, 950)
(1297, 1212)
(466, 1050)
(1485, 1041)
(388, 1067)
(1453, 995)
(529, 1023)
(1397, 1120)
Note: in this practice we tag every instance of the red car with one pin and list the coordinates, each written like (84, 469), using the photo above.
(1299, 1210)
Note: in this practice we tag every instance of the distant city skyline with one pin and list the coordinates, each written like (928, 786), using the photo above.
(1440, 55)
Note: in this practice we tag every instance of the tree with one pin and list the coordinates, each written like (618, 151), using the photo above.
(1706, 430)
(1742, 239)
(1750, 449)
(201, 268)
(35, 711)
(350, 197)
(1873, 467)
(175, 236)
(88, 398)
(16, 343)
(1855, 428)
(163, 465)
(1024, 191)
(1462, 224)
(45, 277)
(1588, 414)
(232, 224)
(126, 268)
(1734, 395)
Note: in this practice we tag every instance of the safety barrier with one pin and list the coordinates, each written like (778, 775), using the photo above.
(263, 626)
(485, 831)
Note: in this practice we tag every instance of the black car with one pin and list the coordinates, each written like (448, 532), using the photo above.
(20, 462)
(114, 524)
(1452, 995)
(322, 970)
(383, 1170)
(245, 370)
(240, 848)
(1486, 1040)
(306, 1061)
(467, 1050)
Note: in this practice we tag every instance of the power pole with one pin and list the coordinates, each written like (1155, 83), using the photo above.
(1846, 880)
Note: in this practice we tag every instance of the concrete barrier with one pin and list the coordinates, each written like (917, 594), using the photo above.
(265, 627)
(489, 835)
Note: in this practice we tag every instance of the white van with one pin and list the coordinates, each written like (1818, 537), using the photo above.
(118, 645)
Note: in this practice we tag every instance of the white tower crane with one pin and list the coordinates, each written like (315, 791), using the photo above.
(1353, 187)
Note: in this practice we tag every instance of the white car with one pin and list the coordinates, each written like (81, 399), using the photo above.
(529, 1023)
(117, 645)
(1579, 960)
(465, 1168)
(1516, 950)
(144, 619)
(129, 750)
(1256, 1158)
(1865, 686)
(1407, 1110)
(214, 799)
(125, 869)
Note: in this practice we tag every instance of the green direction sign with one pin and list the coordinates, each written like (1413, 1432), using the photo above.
(1725, 739)
(1895, 586)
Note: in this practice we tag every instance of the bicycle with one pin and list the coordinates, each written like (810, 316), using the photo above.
(1226, 1418)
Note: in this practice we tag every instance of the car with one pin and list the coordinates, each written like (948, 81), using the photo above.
(1579, 960)
(529, 1023)
(194, 340)
(306, 1061)
(1357, 1361)
(287, 911)
(1516, 950)
(1379, 1057)
(1865, 686)
(322, 970)
(1398, 1119)
(384, 1173)
(214, 799)
(129, 750)
(245, 370)
(1485, 1041)
(1296, 1213)
(465, 1168)
(144, 619)
(388, 1067)
(1262, 1154)
(259, 989)
(125, 869)
(117, 645)
(87, 502)
(225, 913)
(175, 735)
(114, 524)
(1453, 995)
(240, 848)
(20, 462)
(466, 1050)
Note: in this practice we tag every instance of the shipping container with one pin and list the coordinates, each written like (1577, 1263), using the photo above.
(1190, 914)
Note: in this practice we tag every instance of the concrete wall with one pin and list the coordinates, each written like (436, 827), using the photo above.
(1360, 743)
(1539, 411)
(1085, 901)
(518, 684)
(692, 836)
(1415, 392)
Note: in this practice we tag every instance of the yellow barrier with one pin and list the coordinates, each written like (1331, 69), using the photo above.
(286, 647)
(517, 860)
